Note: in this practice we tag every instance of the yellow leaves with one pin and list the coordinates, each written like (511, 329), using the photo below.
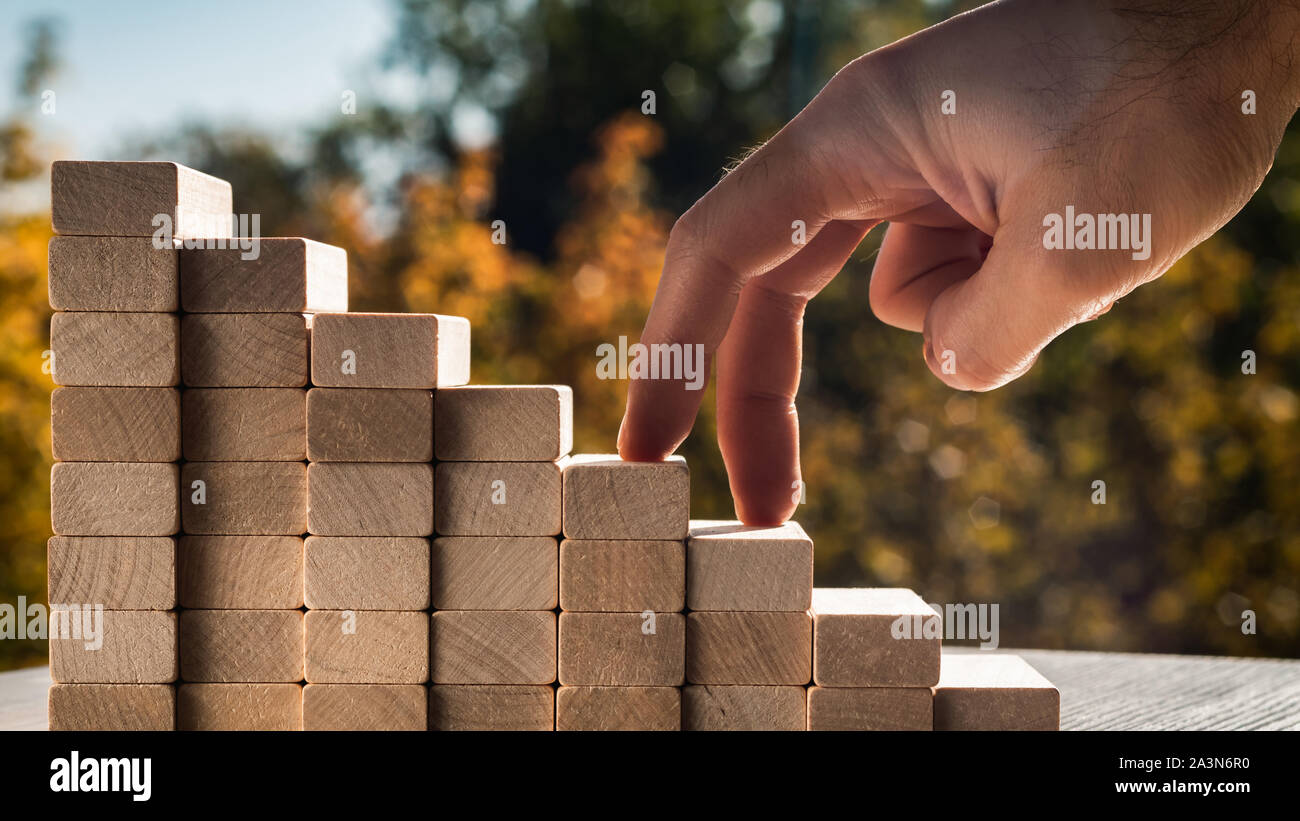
(888, 563)
(1279, 404)
(24, 417)
(1167, 606)
(455, 266)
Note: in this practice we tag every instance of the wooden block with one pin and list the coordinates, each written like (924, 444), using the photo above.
(244, 424)
(289, 275)
(984, 691)
(854, 643)
(369, 425)
(739, 707)
(495, 573)
(613, 576)
(244, 498)
(748, 648)
(375, 573)
(619, 649)
(113, 707)
(497, 498)
(241, 572)
(244, 350)
(114, 499)
(239, 707)
(504, 423)
(618, 708)
(491, 707)
(870, 708)
(367, 647)
(242, 646)
(112, 274)
(398, 707)
(122, 199)
(119, 573)
(607, 498)
(115, 349)
(358, 350)
(733, 567)
(369, 499)
(115, 424)
(492, 647)
(89, 646)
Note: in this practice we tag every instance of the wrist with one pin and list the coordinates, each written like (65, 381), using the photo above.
(1234, 45)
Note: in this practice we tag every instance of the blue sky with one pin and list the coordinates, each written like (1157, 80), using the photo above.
(132, 68)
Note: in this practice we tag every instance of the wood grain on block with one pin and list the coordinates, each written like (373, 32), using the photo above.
(115, 424)
(622, 648)
(854, 643)
(113, 707)
(122, 199)
(985, 691)
(239, 707)
(618, 708)
(504, 423)
(114, 498)
(607, 498)
(119, 573)
(730, 566)
(244, 646)
(497, 498)
(244, 498)
(492, 647)
(611, 576)
(518, 707)
(741, 707)
(369, 425)
(367, 647)
(112, 274)
(288, 275)
(359, 350)
(378, 499)
(748, 648)
(244, 424)
(115, 349)
(244, 350)
(397, 707)
(89, 646)
(870, 708)
(495, 573)
(240, 572)
(367, 573)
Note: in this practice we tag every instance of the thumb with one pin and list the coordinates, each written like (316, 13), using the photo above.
(986, 330)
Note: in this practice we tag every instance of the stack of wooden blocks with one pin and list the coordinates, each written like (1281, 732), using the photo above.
(295, 517)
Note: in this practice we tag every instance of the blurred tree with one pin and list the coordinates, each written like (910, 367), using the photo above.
(552, 72)
(24, 337)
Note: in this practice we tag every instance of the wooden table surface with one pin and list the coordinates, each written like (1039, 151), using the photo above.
(1099, 691)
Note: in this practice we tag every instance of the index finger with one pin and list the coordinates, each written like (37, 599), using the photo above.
(740, 229)
(815, 170)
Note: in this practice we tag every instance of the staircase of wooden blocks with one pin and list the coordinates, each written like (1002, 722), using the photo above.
(275, 514)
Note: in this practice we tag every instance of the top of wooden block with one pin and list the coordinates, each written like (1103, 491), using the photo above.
(127, 199)
(606, 497)
(732, 531)
(868, 601)
(989, 670)
(377, 350)
(731, 566)
(287, 275)
(616, 462)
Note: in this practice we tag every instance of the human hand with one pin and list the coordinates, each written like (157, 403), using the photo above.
(968, 138)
